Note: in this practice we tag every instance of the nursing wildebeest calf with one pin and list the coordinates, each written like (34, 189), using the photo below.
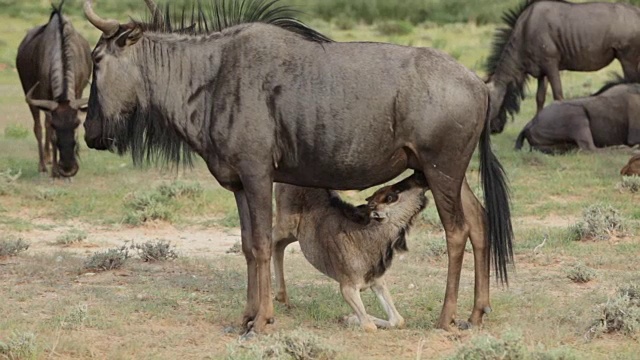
(352, 245)
(543, 37)
(609, 117)
(54, 64)
(264, 102)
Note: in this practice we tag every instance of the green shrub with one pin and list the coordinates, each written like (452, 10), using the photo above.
(76, 317)
(151, 251)
(510, 346)
(143, 207)
(20, 346)
(108, 260)
(50, 194)
(16, 131)
(8, 179)
(178, 189)
(580, 273)
(394, 28)
(619, 314)
(344, 22)
(71, 237)
(11, 246)
(599, 222)
(296, 345)
(436, 248)
(630, 184)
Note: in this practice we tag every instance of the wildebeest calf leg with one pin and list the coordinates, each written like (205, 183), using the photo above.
(278, 267)
(37, 131)
(258, 190)
(475, 218)
(351, 295)
(583, 136)
(541, 95)
(379, 287)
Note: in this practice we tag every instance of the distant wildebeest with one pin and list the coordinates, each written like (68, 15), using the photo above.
(632, 168)
(543, 37)
(273, 100)
(609, 117)
(352, 245)
(54, 64)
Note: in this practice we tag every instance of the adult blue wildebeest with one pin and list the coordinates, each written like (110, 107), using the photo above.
(54, 64)
(277, 101)
(543, 37)
(609, 117)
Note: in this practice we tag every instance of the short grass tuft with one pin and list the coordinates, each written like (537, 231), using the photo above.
(73, 236)
(236, 248)
(295, 345)
(12, 246)
(153, 251)
(159, 203)
(630, 184)
(20, 346)
(394, 28)
(580, 273)
(620, 313)
(16, 131)
(8, 180)
(599, 222)
(108, 260)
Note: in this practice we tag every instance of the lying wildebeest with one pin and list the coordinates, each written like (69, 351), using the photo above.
(543, 37)
(263, 102)
(632, 168)
(352, 245)
(609, 117)
(54, 64)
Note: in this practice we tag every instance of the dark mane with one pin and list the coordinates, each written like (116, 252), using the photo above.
(617, 80)
(516, 89)
(218, 15)
(351, 212)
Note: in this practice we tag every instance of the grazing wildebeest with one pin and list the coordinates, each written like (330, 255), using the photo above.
(54, 64)
(277, 101)
(543, 37)
(609, 117)
(352, 245)
(632, 168)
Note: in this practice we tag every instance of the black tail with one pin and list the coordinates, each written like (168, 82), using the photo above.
(521, 137)
(496, 200)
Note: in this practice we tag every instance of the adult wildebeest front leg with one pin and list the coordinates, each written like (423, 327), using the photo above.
(255, 199)
(48, 139)
(541, 95)
(37, 131)
(553, 73)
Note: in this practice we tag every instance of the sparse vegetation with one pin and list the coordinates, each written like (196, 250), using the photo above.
(159, 203)
(152, 251)
(436, 248)
(580, 273)
(510, 346)
(394, 28)
(296, 345)
(630, 184)
(16, 131)
(75, 318)
(12, 246)
(50, 193)
(621, 313)
(71, 237)
(8, 179)
(236, 248)
(21, 346)
(107, 260)
(599, 222)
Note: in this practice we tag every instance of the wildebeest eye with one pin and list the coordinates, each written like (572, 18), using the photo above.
(391, 198)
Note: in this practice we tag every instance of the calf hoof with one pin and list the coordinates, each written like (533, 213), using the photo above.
(463, 325)
(369, 327)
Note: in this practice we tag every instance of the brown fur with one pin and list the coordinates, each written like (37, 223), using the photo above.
(632, 167)
(352, 246)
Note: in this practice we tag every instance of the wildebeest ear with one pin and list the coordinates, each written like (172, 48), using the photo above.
(129, 37)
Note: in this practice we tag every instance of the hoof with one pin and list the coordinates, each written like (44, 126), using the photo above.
(463, 325)
(248, 335)
(369, 327)
(487, 310)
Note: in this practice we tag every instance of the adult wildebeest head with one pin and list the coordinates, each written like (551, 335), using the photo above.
(543, 37)
(278, 102)
(54, 66)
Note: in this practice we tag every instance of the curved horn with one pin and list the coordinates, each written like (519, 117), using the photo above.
(109, 27)
(78, 103)
(47, 105)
